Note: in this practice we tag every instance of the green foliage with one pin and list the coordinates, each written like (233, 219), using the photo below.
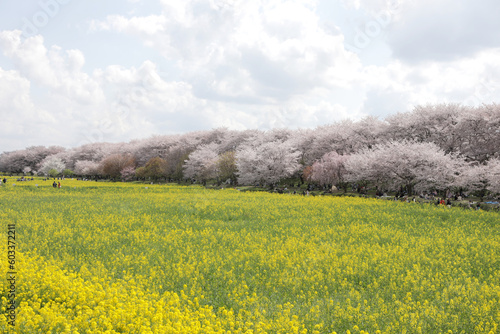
(226, 166)
(140, 172)
(178, 173)
(53, 172)
(68, 172)
(155, 168)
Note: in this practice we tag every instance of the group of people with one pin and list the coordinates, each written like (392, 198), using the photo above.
(55, 184)
(443, 202)
(21, 179)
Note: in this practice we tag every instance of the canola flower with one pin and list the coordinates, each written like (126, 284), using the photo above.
(129, 258)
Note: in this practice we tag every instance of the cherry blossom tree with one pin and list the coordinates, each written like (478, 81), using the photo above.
(413, 165)
(471, 132)
(368, 132)
(302, 140)
(36, 154)
(90, 152)
(87, 168)
(12, 162)
(330, 170)
(233, 139)
(267, 162)
(31, 157)
(174, 149)
(341, 137)
(479, 133)
(51, 162)
(474, 178)
(481, 178)
(428, 123)
(127, 173)
(27, 170)
(494, 175)
(156, 146)
(202, 163)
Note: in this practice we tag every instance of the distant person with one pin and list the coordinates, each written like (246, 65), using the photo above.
(4, 180)
(58, 184)
(54, 184)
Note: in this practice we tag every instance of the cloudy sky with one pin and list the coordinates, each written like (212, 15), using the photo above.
(74, 72)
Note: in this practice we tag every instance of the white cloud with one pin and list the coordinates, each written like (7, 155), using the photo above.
(400, 86)
(14, 92)
(30, 56)
(22, 122)
(252, 52)
(445, 30)
(60, 72)
(112, 104)
(148, 25)
(241, 64)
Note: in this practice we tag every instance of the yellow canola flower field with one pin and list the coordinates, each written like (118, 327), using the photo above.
(129, 258)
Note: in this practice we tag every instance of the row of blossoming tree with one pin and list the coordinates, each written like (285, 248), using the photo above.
(434, 147)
